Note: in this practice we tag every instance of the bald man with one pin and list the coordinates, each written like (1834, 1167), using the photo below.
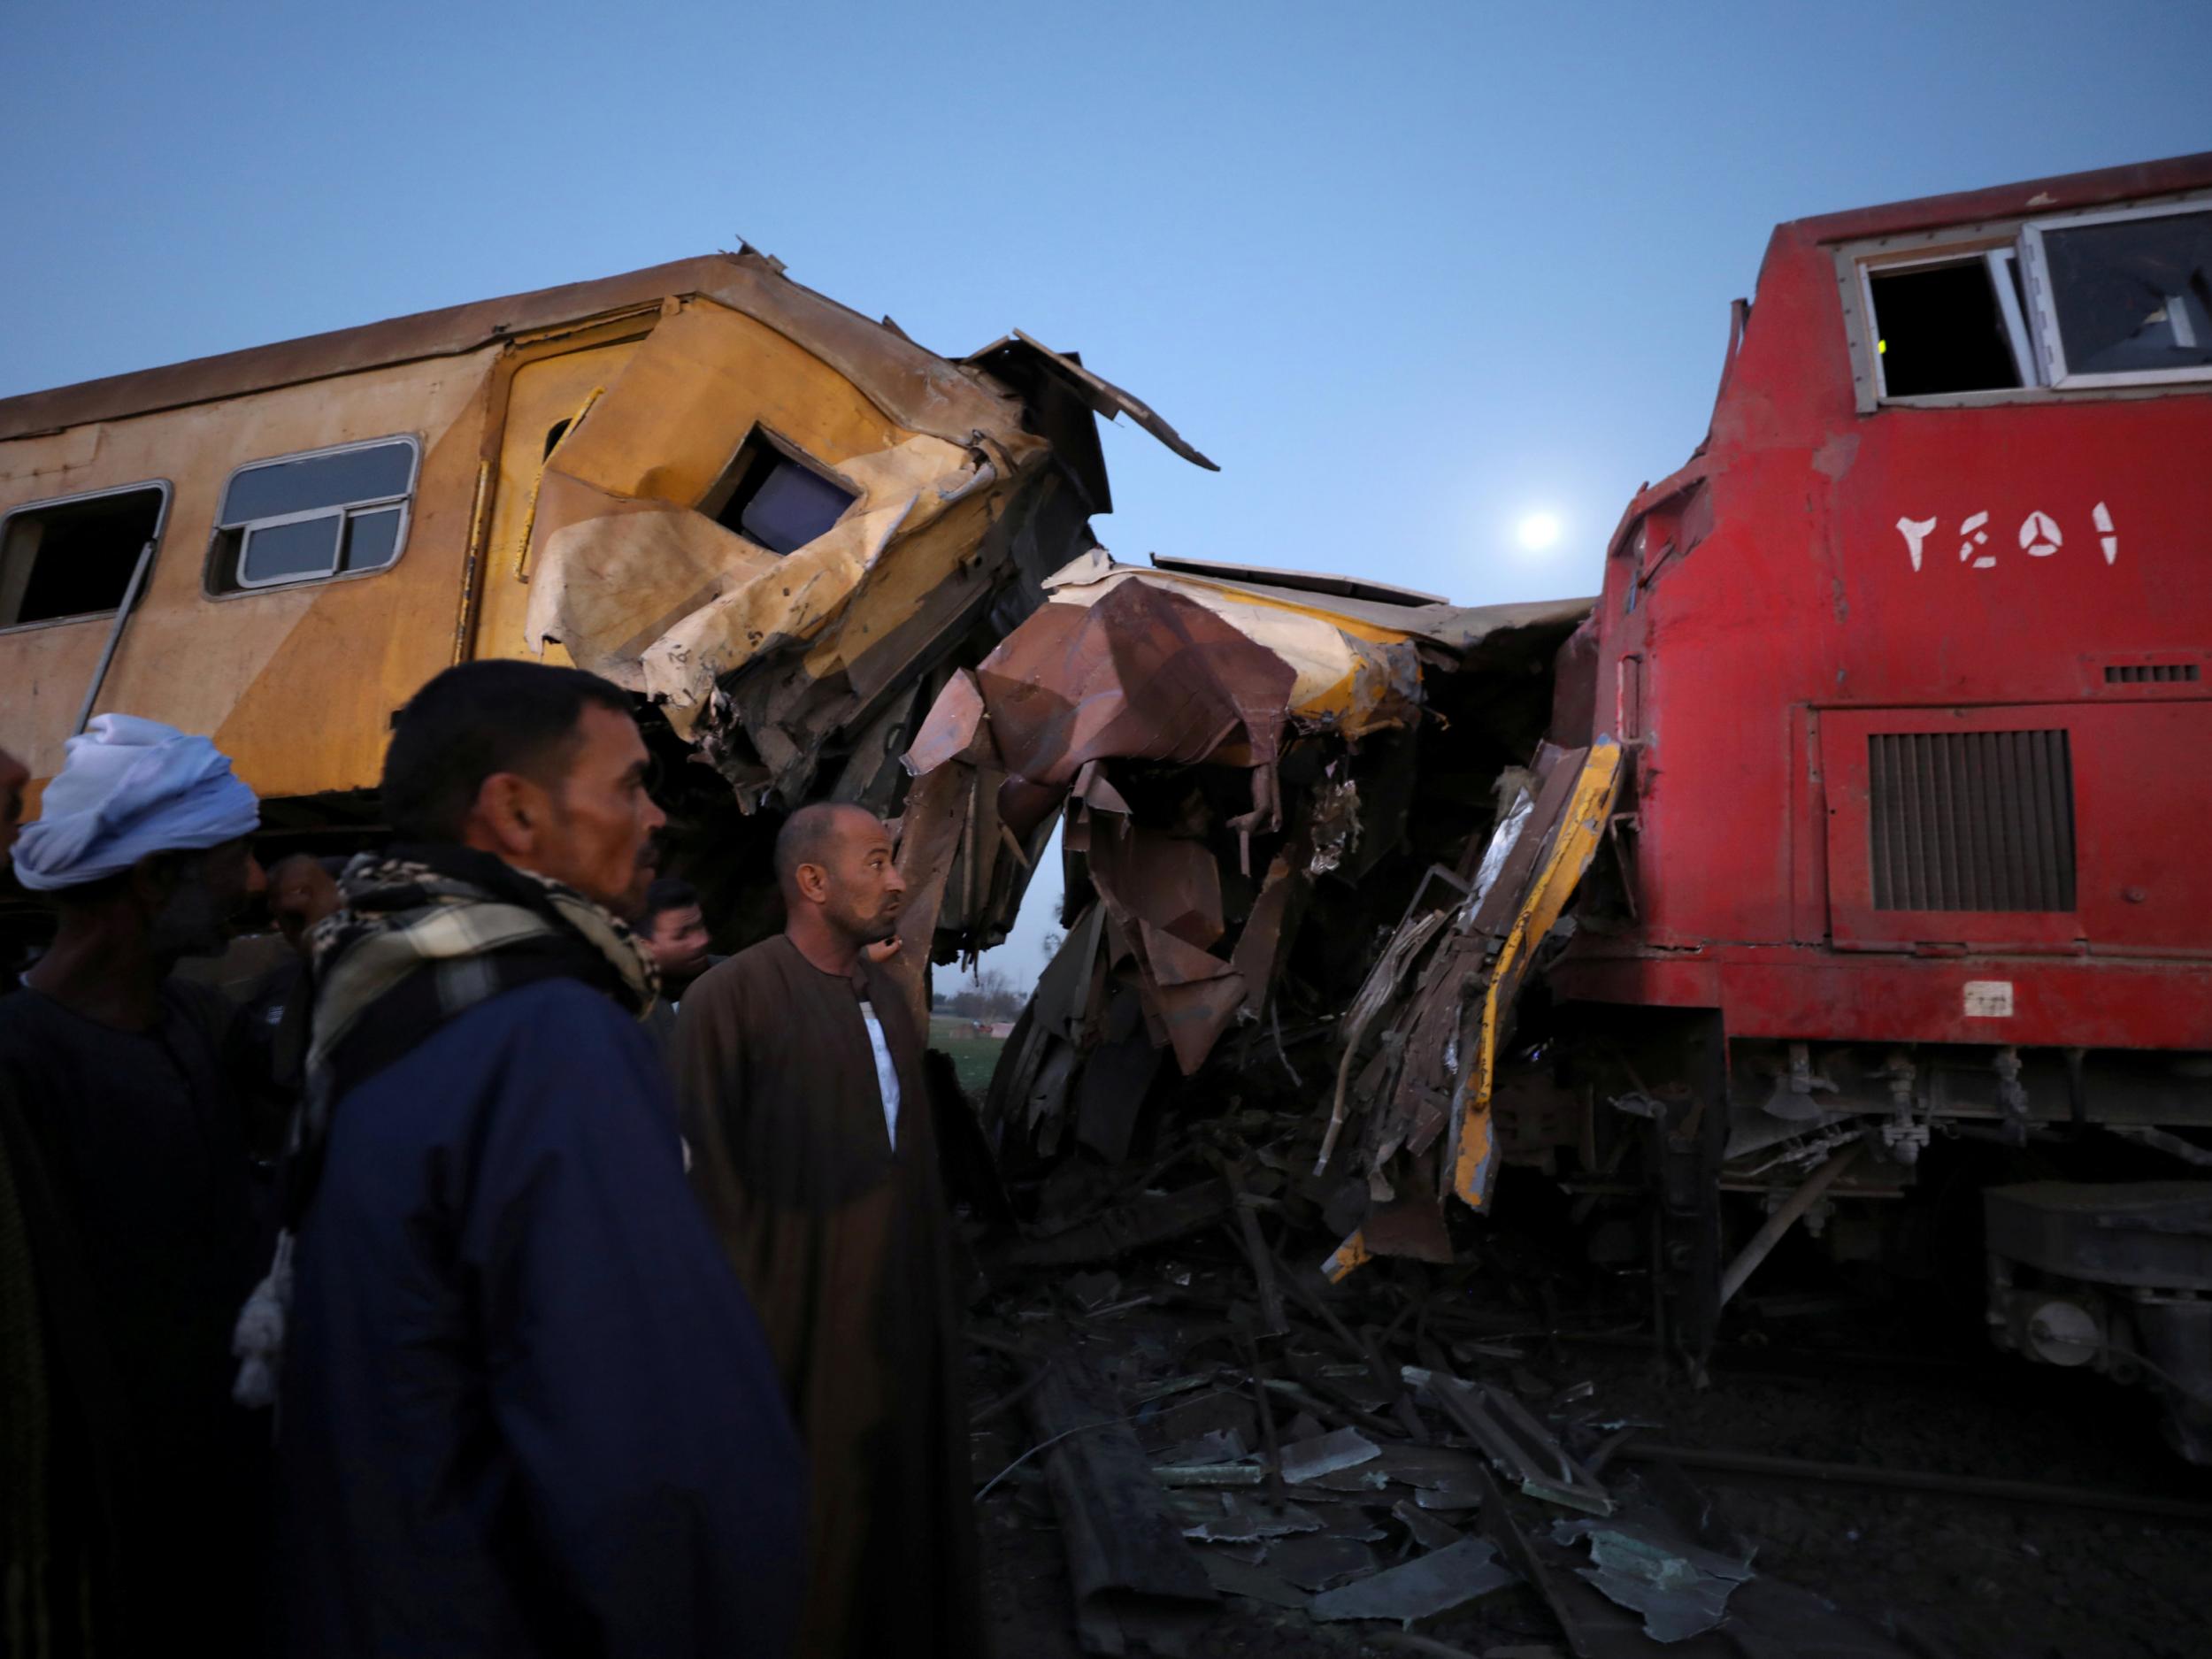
(800, 1073)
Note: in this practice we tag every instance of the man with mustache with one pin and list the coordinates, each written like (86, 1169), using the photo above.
(816, 1155)
(525, 1407)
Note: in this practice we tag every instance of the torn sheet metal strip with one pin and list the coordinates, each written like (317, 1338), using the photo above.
(1107, 399)
(1474, 1164)
(1325, 1454)
(1126, 1557)
(1680, 1590)
(1431, 1584)
(1514, 1442)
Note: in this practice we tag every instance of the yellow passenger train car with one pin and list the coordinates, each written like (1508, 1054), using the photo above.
(780, 523)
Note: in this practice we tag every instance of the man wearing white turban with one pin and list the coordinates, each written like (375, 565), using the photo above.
(133, 1192)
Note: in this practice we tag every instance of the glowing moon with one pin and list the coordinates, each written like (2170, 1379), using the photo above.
(1538, 531)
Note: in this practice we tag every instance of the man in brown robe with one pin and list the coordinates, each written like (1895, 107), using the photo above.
(800, 1073)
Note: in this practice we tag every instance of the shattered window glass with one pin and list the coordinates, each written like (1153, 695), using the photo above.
(1944, 327)
(2133, 296)
(312, 516)
(74, 559)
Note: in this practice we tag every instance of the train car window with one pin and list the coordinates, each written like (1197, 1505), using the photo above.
(74, 557)
(776, 496)
(2126, 297)
(303, 517)
(1953, 325)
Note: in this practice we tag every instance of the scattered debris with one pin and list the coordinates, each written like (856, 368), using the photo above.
(1233, 1577)
(1680, 1590)
(1131, 1573)
(1427, 1531)
(1309, 1460)
(1430, 1583)
(1516, 1443)
(1321, 1559)
(1240, 1522)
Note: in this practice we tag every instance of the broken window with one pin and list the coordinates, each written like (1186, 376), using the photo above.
(775, 496)
(2120, 298)
(1950, 326)
(73, 557)
(304, 517)
(2126, 296)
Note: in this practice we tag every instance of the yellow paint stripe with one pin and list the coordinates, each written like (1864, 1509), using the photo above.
(1576, 844)
(1348, 1259)
(1358, 630)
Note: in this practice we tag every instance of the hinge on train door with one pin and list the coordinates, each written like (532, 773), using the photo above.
(1634, 822)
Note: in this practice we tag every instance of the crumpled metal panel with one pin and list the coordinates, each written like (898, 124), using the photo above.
(1347, 674)
(1143, 674)
(766, 661)
(1127, 675)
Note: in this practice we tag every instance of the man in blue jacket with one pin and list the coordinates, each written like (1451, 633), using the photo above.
(525, 1406)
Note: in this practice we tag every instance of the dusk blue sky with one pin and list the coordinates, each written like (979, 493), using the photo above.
(1409, 274)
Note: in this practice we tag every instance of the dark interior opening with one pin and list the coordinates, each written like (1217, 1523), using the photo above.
(74, 559)
(774, 500)
(1939, 329)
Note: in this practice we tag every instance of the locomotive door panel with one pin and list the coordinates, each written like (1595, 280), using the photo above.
(2051, 826)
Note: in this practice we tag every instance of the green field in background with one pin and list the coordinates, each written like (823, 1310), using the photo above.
(972, 1056)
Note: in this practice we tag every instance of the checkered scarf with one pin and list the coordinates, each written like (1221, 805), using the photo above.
(426, 932)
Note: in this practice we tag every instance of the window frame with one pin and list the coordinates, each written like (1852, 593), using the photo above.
(1984, 252)
(1855, 258)
(163, 487)
(239, 585)
(2051, 337)
(791, 452)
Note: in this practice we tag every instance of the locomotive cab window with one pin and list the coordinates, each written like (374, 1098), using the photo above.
(775, 495)
(75, 557)
(304, 518)
(2124, 298)
(2035, 309)
(1949, 326)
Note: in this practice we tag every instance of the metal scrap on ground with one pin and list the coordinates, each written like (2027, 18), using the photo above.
(1157, 1468)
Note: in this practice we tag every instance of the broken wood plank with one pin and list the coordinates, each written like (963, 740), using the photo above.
(1273, 1321)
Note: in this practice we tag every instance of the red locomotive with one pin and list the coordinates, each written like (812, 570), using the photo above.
(1914, 664)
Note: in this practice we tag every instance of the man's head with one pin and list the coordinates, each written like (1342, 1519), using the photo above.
(541, 767)
(302, 890)
(834, 864)
(147, 829)
(674, 929)
(181, 903)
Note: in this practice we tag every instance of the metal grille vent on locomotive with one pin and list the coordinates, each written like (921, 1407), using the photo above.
(1971, 820)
